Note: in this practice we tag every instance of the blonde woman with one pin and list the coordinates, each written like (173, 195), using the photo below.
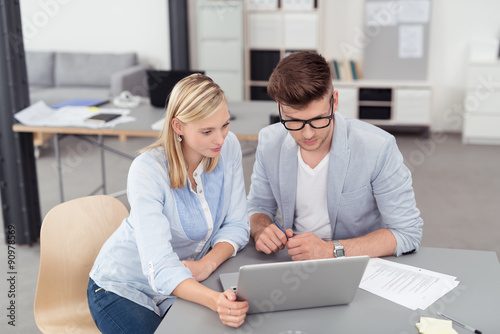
(188, 215)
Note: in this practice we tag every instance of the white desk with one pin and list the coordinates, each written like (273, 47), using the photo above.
(475, 301)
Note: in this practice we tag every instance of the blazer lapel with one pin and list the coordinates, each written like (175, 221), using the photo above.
(288, 179)
(337, 168)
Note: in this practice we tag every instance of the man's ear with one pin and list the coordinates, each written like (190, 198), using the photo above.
(335, 100)
(177, 126)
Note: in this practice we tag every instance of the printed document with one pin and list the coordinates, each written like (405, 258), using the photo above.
(409, 286)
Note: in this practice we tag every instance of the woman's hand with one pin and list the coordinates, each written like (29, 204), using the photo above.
(205, 266)
(231, 312)
(200, 269)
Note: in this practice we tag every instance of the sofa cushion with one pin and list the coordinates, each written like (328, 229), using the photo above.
(52, 96)
(40, 67)
(87, 69)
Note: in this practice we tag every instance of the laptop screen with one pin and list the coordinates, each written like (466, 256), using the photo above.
(161, 83)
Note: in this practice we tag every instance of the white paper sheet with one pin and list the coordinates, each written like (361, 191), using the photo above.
(409, 286)
(39, 114)
(411, 41)
(381, 13)
(414, 11)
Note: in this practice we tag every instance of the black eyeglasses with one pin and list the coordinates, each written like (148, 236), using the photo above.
(316, 123)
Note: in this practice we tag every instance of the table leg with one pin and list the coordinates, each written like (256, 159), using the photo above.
(103, 167)
(59, 168)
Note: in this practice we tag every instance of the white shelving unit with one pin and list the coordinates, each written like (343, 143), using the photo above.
(390, 104)
(219, 38)
(481, 124)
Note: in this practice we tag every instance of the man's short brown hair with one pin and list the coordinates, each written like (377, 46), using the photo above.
(299, 79)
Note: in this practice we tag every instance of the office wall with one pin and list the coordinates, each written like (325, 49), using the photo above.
(454, 23)
(131, 25)
(99, 26)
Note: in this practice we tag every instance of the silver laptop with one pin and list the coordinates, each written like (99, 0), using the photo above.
(292, 285)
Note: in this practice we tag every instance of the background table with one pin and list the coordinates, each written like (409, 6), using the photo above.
(475, 301)
(249, 118)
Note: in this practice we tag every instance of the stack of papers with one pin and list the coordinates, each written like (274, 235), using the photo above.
(409, 286)
(39, 114)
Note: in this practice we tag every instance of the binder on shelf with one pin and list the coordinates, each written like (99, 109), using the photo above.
(358, 69)
(345, 71)
(336, 67)
(353, 69)
(332, 70)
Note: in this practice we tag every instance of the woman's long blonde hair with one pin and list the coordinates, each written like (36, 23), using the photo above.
(194, 98)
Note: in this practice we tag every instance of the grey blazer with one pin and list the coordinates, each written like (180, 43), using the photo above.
(369, 187)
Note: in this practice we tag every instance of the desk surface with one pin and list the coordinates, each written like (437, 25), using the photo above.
(250, 117)
(475, 301)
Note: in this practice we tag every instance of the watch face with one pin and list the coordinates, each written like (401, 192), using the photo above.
(339, 249)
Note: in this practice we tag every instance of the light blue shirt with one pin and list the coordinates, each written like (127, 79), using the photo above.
(141, 261)
(368, 185)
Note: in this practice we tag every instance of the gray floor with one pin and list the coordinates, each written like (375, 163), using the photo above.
(456, 187)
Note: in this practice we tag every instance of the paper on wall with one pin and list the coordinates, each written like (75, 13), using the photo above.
(411, 41)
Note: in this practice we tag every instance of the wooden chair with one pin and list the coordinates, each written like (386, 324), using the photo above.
(71, 236)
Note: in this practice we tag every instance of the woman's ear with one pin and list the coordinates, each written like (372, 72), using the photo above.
(177, 126)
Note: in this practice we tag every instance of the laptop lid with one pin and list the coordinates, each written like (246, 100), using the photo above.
(292, 285)
(161, 83)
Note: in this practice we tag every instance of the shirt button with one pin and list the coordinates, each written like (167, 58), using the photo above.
(195, 174)
(201, 190)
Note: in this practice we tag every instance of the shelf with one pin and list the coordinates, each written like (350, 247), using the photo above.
(400, 106)
(272, 34)
(375, 103)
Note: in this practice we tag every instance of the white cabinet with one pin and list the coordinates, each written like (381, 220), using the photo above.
(348, 101)
(388, 104)
(481, 123)
(412, 106)
(220, 44)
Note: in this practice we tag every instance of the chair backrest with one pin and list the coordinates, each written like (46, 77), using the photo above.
(71, 236)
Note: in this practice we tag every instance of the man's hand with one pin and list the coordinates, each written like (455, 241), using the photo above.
(308, 246)
(271, 239)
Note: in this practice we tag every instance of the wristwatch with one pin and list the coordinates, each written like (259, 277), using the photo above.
(338, 250)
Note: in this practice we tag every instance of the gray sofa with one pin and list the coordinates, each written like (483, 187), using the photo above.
(59, 76)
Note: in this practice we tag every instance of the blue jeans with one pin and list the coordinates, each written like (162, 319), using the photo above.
(115, 314)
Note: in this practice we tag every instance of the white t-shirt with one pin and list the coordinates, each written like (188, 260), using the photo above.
(311, 210)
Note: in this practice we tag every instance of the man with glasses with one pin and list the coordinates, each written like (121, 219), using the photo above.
(340, 184)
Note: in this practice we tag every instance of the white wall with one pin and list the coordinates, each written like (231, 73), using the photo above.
(99, 26)
(454, 23)
(142, 26)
